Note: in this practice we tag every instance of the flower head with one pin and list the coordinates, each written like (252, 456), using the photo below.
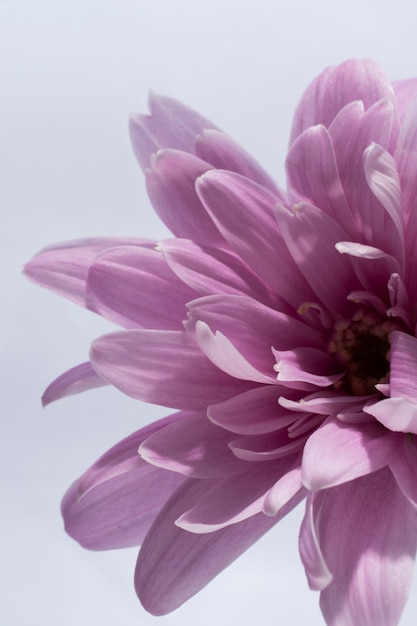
(281, 328)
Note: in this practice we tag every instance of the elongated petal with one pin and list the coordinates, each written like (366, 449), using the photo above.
(313, 176)
(311, 236)
(193, 447)
(252, 327)
(317, 572)
(163, 367)
(63, 268)
(405, 91)
(171, 188)
(337, 86)
(283, 490)
(246, 494)
(76, 380)
(212, 271)
(352, 131)
(368, 537)
(223, 153)
(245, 215)
(123, 457)
(338, 452)
(404, 468)
(134, 287)
(253, 412)
(170, 125)
(113, 515)
(173, 564)
(306, 365)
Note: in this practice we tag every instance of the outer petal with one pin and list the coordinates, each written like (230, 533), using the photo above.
(193, 447)
(212, 271)
(338, 452)
(105, 509)
(76, 380)
(368, 536)
(163, 367)
(63, 268)
(170, 125)
(134, 287)
(253, 412)
(404, 468)
(404, 90)
(337, 86)
(313, 176)
(311, 236)
(244, 214)
(224, 154)
(174, 564)
(171, 188)
(245, 496)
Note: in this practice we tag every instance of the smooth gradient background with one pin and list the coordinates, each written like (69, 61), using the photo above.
(70, 72)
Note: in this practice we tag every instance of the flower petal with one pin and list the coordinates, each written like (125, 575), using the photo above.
(368, 536)
(170, 125)
(338, 452)
(63, 268)
(173, 564)
(245, 498)
(171, 188)
(134, 287)
(251, 327)
(245, 215)
(311, 236)
(163, 367)
(404, 468)
(306, 365)
(253, 412)
(212, 271)
(76, 380)
(223, 153)
(193, 447)
(337, 86)
(317, 572)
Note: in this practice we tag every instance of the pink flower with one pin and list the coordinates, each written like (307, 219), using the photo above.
(281, 328)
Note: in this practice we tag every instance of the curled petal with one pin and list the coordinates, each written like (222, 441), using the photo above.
(76, 380)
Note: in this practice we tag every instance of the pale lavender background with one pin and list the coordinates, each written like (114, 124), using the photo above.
(70, 73)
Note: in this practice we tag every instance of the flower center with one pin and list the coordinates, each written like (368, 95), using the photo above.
(362, 346)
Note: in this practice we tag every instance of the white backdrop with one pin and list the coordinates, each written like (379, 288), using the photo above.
(70, 72)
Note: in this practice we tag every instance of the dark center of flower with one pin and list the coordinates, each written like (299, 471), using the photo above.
(362, 346)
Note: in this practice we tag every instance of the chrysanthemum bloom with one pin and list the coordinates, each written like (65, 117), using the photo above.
(281, 328)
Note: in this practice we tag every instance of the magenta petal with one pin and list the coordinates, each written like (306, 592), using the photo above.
(174, 564)
(112, 515)
(245, 498)
(123, 457)
(405, 91)
(76, 380)
(337, 86)
(313, 175)
(163, 367)
(283, 490)
(193, 447)
(311, 236)
(317, 572)
(63, 268)
(252, 327)
(171, 188)
(170, 125)
(306, 365)
(223, 153)
(404, 468)
(368, 537)
(245, 215)
(125, 285)
(403, 365)
(212, 271)
(253, 412)
(338, 452)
